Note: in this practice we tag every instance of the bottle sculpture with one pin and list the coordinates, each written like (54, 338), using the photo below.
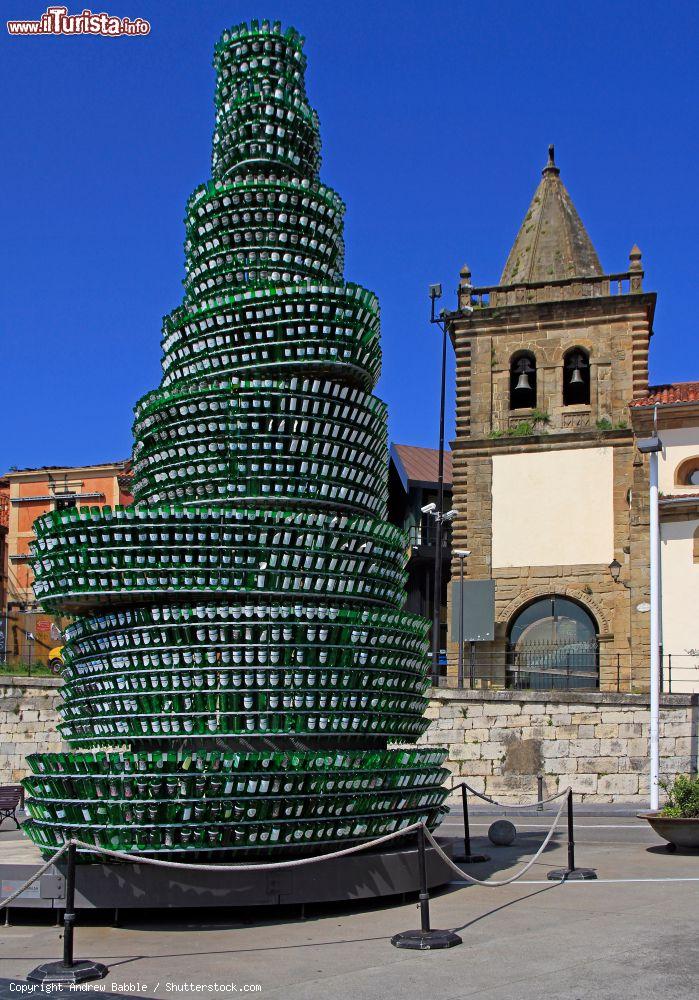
(239, 678)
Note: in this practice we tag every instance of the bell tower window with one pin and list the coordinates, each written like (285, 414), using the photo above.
(576, 377)
(522, 381)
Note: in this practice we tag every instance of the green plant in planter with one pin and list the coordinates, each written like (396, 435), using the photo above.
(682, 798)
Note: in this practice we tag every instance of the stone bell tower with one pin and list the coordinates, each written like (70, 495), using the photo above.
(551, 488)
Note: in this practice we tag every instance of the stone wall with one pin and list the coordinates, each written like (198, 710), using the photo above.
(28, 720)
(595, 742)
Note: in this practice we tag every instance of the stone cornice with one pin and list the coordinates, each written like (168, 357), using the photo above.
(573, 439)
(21, 680)
(679, 508)
(670, 416)
(640, 700)
(490, 317)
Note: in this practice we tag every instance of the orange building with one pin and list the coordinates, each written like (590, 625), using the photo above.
(26, 633)
(4, 524)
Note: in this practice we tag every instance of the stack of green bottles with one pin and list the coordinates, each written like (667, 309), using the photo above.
(171, 802)
(266, 440)
(272, 230)
(240, 679)
(151, 550)
(282, 326)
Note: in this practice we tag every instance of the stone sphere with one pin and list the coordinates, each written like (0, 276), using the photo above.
(502, 833)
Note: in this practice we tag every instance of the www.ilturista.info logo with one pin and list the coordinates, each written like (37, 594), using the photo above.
(57, 21)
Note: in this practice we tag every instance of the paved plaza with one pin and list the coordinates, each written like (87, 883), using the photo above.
(630, 934)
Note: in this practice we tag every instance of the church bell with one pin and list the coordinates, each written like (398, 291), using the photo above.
(576, 378)
(523, 381)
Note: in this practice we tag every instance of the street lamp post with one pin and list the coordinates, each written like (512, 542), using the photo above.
(652, 446)
(440, 518)
(436, 293)
(461, 554)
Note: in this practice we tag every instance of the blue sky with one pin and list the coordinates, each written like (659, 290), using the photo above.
(435, 120)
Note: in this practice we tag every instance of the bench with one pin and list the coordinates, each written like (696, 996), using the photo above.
(11, 796)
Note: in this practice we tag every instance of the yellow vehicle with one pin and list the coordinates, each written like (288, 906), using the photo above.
(56, 658)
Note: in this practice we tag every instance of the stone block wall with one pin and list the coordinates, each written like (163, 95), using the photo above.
(28, 721)
(597, 743)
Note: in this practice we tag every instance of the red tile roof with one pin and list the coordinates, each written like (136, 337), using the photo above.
(61, 468)
(421, 465)
(666, 395)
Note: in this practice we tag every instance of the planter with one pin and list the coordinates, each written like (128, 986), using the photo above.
(677, 831)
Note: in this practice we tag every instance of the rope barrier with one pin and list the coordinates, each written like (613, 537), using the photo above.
(493, 883)
(269, 866)
(511, 805)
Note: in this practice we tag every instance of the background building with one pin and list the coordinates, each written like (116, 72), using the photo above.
(412, 484)
(4, 524)
(675, 410)
(27, 633)
(552, 489)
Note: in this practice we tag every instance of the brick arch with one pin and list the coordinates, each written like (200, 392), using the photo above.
(570, 345)
(535, 593)
(685, 469)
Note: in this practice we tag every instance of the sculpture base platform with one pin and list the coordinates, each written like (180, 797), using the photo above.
(366, 875)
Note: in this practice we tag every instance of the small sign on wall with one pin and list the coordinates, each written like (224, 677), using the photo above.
(478, 601)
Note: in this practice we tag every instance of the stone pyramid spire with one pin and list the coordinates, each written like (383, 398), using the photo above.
(552, 242)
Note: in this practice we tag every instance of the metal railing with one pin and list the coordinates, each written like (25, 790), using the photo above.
(543, 670)
(679, 673)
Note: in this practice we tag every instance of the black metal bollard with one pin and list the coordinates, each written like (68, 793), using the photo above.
(424, 896)
(539, 793)
(468, 857)
(69, 913)
(425, 939)
(571, 872)
(68, 971)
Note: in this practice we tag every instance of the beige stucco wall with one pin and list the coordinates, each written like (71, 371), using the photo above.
(680, 588)
(679, 443)
(553, 508)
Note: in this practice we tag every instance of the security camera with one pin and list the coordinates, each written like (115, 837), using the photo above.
(429, 508)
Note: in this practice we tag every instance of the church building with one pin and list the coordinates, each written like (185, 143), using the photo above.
(551, 489)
